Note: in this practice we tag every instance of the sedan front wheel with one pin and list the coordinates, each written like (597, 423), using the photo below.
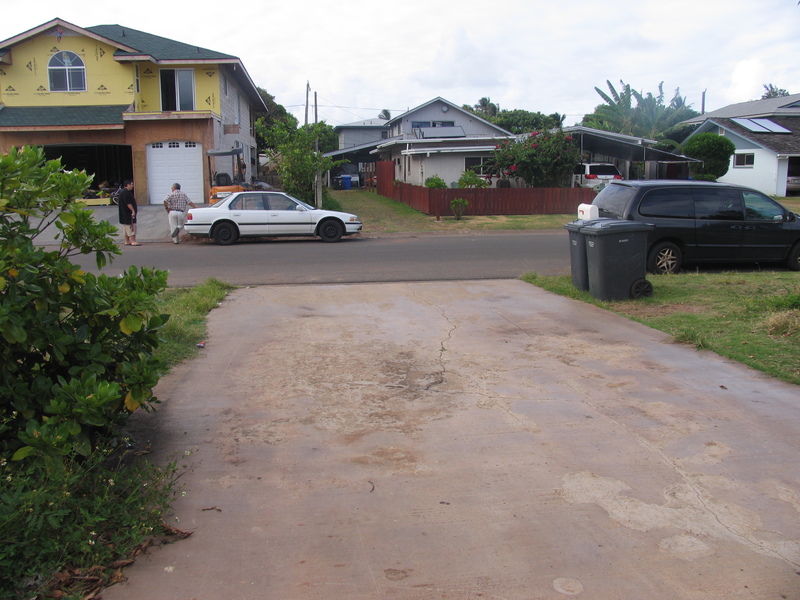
(331, 231)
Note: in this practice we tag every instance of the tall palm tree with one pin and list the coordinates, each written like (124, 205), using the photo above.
(617, 114)
(486, 108)
(385, 115)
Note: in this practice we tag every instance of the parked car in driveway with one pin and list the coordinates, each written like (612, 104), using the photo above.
(697, 221)
(267, 214)
(793, 180)
(594, 175)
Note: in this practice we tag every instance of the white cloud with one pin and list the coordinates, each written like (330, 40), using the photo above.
(533, 54)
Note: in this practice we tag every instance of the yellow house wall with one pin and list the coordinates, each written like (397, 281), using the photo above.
(25, 81)
(206, 87)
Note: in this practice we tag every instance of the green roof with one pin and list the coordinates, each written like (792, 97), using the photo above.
(61, 116)
(159, 48)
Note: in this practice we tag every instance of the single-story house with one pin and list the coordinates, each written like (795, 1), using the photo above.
(766, 134)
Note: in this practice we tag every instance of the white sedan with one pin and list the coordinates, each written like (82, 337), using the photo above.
(267, 214)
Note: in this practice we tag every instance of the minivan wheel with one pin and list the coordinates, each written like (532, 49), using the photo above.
(665, 257)
(793, 262)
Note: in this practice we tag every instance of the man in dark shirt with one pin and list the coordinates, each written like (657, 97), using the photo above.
(127, 213)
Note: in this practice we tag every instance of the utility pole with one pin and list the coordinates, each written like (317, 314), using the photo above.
(308, 89)
(318, 178)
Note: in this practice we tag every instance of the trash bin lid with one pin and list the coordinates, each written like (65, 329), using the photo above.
(614, 226)
(581, 223)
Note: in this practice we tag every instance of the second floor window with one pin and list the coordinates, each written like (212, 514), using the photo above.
(177, 89)
(66, 72)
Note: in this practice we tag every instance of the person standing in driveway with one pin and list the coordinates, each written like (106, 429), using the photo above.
(126, 203)
(175, 203)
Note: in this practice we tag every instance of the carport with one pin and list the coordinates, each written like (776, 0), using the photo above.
(607, 146)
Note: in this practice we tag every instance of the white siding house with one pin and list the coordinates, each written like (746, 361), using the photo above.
(439, 138)
(766, 134)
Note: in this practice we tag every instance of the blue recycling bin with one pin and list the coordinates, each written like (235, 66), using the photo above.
(346, 183)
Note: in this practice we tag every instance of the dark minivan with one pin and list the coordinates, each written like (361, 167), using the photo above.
(697, 221)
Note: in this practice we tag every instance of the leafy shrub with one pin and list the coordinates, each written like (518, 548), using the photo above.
(544, 159)
(714, 150)
(329, 202)
(470, 179)
(77, 353)
(458, 206)
(435, 182)
(89, 513)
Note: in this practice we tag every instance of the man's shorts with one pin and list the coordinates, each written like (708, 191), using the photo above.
(129, 230)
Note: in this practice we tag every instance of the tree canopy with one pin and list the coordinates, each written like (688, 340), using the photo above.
(631, 112)
(772, 91)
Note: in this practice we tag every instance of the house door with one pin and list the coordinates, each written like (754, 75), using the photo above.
(171, 162)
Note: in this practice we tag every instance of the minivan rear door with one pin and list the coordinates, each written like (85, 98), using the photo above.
(719, 223)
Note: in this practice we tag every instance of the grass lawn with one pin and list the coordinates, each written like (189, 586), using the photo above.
(753, 318)
(381, 215)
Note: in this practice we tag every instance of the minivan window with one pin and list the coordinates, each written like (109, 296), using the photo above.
(758, 207)
(672, 203)
(611, 202)
(717, 204)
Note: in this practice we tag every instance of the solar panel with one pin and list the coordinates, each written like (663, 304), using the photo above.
(770, 125)
(760, 126)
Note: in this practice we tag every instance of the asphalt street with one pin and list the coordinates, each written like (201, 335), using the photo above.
(357, 259)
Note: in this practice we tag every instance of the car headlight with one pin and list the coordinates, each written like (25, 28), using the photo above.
(353, 219)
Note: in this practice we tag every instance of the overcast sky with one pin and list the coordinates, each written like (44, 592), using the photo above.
(361, 56)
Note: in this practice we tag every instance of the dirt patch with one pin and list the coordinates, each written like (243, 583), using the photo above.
(649, 311)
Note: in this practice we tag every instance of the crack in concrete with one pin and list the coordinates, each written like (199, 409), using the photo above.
(700, 494)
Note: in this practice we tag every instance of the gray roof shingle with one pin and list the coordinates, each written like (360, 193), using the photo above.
(159, 48)
(61, 116)
(780, 143)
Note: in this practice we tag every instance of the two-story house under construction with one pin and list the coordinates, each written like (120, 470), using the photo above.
(125, 104)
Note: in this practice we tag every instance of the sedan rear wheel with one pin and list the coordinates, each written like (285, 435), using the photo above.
(225, 234)
(665, 257)
(331, 231)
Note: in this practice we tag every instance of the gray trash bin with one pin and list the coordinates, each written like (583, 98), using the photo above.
(577, 253)
(616, 259)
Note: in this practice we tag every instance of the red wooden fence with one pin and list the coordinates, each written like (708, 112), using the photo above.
(485, 201)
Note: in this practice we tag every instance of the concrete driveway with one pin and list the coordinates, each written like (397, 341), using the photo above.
(468, 440)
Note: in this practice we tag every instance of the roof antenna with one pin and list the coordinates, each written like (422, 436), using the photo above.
(123, 33)
(197, 49)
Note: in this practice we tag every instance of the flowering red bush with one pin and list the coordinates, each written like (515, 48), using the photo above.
(543, 159)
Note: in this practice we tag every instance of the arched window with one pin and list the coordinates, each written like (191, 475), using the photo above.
(67, 73)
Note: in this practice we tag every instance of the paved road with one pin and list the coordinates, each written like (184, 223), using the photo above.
(361, 258)
(356, 259)
(468, 440)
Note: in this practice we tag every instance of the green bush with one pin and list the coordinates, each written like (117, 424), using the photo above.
(435, 182)
(544, 159)
(714, 150)
(470, 179)
(458, 206)
(83, 514)
(77, 356)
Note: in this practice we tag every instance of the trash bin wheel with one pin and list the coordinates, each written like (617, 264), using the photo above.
(641, 288)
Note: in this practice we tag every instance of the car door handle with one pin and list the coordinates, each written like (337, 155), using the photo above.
(750, 228)
(736, 226)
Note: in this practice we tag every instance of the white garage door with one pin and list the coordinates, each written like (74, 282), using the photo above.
(171, 162)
